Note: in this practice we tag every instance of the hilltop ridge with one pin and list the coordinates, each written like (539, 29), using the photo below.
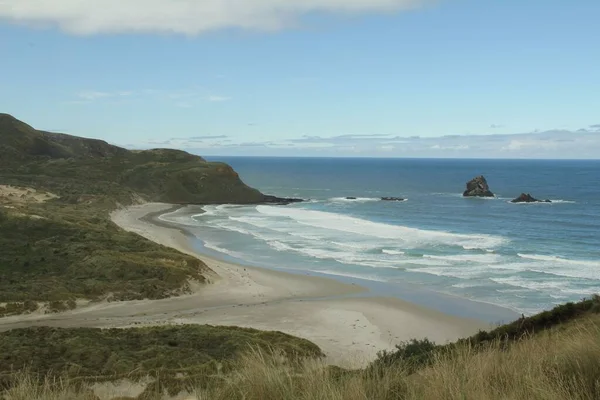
(66, 165)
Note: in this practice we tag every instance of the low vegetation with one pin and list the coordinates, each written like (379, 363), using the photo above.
(58, 243)
(189, 352)
(559, 363)
(68, 253)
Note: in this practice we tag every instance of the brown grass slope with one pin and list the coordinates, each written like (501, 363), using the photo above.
(560, 363)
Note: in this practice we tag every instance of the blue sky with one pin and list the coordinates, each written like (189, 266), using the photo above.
(421, 78)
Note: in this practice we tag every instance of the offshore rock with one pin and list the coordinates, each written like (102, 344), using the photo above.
(478, 187)
(527, 198)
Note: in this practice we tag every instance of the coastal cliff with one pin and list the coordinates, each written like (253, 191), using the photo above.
(59, 245)
(76, 167)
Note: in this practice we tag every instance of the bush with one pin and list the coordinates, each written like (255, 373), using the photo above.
(412, 354)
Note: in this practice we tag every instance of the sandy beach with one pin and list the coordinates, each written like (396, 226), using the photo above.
(350, 329)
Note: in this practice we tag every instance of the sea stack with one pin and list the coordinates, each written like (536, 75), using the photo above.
(527, 198)
(478, 187)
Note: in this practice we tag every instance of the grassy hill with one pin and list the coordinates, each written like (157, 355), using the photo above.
(73, 167)
(58, 244)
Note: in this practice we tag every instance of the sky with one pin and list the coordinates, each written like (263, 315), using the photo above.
(368, 78)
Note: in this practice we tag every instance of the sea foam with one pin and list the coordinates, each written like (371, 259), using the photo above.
(409, 236)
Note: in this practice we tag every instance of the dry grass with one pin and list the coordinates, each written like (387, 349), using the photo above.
(556, 365)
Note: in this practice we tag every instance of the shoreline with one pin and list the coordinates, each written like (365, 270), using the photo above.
(446, 303)
(343, 297)
(348, 326)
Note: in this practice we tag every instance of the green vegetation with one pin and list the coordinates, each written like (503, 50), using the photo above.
(77, 252)
(559, 363)
(62, 247)
(168, 350)
(76, 168)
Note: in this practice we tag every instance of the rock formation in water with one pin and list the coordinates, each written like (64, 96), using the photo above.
(478, 187)
(268, 199)
(527, 198)
(392, 199)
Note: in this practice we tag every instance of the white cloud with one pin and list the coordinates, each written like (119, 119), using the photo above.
(183, 16)
(91, 95)
(533, 143)
(95, 95)
(216, 99)
(456, 147)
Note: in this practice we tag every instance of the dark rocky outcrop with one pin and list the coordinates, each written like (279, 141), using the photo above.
(392, 199)
(350, 198)
(268, 199)
(527, 198)
(478, 187)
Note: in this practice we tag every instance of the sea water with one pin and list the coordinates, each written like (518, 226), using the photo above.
(525, 257)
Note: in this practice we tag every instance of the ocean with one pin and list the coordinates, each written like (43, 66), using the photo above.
(522, 257)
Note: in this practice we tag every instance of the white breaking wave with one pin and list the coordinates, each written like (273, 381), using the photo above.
(181, 219)
(356, 200)
(519, 282)
(544, 202)
(561, 286)
(466, 285)
(393, 252)
(409, 236)
(478, 258)
(592, 273)
(343, 257)
(356, 246)
(453, 272)
(557, 259)
(216, 247)
(350, 275)
(477, 248)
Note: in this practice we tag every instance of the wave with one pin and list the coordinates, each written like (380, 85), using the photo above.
(588, 274)
(349, 275)
(478, 258)
(544, 202)
(216, 247)
(478, 248)
(452, 272)
(561, 286)
(393, 252)
(465, 285)
(557, 259)
(356, 200)
(347, 224)
(180, 219)
(356, 246)
(342, 257)
(519, 282)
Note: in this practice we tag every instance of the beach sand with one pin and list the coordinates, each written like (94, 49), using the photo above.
(350, 329)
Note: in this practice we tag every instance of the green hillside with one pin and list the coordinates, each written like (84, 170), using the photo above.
(58, 243)
(73, 167)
